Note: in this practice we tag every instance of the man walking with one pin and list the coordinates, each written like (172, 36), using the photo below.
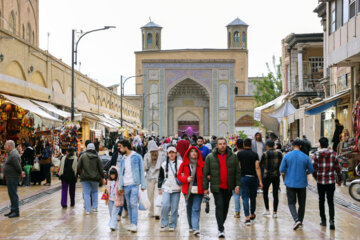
(306, 147)
(250, 179)
(223, 172)
(295, 166)
(203, 149)
(12, 172)
(326, 171)
(131, 176)
(258, 146)
(271, 161)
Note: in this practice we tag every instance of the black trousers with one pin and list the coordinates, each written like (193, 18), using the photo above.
(294, 194)
(45, 170)
(222, 201)
(275, 181)
(328, 190)
(12, 186)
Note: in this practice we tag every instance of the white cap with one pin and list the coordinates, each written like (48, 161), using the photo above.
(90, 146)
(171, 149)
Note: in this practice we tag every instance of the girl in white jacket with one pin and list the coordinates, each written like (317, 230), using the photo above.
(170, 188)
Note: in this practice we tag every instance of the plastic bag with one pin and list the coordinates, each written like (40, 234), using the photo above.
(36, 167)
(144, 202)
(158, 201)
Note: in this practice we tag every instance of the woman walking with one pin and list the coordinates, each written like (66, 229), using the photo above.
(191, 176)
(152, 164)
(67, 174)
(169, 187)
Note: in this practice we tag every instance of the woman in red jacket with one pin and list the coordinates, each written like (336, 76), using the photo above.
(190, 174)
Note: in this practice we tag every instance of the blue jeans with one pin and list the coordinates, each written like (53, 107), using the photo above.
(237, 201)
(249, 186)
(90, 188)
(12, 186)
(193, 208)
(132, 200)
(170, 201)
(113, 211)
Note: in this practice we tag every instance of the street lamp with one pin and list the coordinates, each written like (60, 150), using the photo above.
(143, 106)
(74, 48)
(122, 83)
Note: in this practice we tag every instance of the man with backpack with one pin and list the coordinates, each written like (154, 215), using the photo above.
(271, 161)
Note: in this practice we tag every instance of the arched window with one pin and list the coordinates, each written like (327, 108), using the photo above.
(23, 31)
(229, 39)
(149, 40)
(157, 41)
(244, 39)
(12, 22)
(143, 40)
(33, 37)
(28, 32)
(236, 39)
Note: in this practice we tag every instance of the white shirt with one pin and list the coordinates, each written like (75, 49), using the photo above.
(259, 149)
(128, 177)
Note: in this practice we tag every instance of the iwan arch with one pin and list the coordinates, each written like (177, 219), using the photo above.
(193, 91)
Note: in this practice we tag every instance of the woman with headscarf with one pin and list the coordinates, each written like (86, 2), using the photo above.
(182, 146)
(27, 161)
(67, 174)
(152, 163)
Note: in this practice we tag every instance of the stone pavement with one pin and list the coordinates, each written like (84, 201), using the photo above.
(45, 219)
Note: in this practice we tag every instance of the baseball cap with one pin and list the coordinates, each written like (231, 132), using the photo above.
(171, 149)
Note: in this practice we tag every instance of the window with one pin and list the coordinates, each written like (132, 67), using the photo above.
(332, 17)
(343, 81)
(149, 40)
(244, 39)
(236, 90)
(28, 32)
(23, 31)
(345, 11)
(33, 37)
(316, 64)
(12, 24)
(157, 40)
(236, 39)
(229, 39)
(352, 6)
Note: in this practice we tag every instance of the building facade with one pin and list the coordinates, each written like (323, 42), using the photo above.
(193, 91)
(27, 71)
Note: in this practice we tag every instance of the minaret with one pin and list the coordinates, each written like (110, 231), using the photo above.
(151, 36)
(237, 34)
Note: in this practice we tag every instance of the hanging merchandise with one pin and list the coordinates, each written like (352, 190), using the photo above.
(356, 123)
(69, 135)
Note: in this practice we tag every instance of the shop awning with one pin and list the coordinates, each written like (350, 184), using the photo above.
(51, 108)
(263, 112)
(326, 103)
(284, 111)
(111, 126)
(28, 105)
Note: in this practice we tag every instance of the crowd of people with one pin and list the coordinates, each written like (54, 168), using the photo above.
(192, 168)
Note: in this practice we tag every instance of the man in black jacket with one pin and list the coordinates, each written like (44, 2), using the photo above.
(338, 130)
(12, 172)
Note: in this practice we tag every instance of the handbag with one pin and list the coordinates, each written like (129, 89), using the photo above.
(105, 195)
(36, 167)
(194, 190)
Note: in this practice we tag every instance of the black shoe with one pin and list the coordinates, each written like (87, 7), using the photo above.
(14, 215)
(8, 214)
(253, 218)
(157, 217)
(332, 225)
(64, 207)
(323, 223)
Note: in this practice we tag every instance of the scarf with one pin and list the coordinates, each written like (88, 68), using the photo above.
(192, 166)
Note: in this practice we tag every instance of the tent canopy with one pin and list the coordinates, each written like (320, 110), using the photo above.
(31, 107)
(51, 108)
(285, 110)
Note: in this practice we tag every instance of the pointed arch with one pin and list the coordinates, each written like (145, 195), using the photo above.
(38, 79)
(83, 97)
(15, 70)
(57, 87)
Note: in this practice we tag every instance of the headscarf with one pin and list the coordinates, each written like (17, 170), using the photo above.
(182, 146)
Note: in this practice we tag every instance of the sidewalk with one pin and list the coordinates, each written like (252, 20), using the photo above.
(26, 192)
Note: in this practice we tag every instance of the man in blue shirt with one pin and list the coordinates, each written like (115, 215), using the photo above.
(203, 149)
(295, 167)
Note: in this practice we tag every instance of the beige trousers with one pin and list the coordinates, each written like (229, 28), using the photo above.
(152, 191)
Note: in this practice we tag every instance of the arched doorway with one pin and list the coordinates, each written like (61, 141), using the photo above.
(188, 109)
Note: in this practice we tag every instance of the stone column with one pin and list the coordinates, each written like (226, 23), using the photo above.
(215, 99)
(171, 122)
(206, 121)
(300, 69)
(163, 104)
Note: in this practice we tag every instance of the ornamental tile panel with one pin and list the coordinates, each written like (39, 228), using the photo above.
(201, 75)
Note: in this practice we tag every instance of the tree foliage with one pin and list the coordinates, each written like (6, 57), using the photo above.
(269, 86)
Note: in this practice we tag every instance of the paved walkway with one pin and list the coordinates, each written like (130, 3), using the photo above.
(45, 219)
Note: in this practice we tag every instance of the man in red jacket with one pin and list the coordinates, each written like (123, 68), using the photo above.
(190, 174)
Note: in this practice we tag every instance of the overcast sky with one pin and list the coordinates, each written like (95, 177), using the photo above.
(106, 55)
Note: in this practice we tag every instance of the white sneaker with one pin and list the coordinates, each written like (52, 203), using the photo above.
(297, 225)
(171, 229)
(221, 235)
(164, 229)
(190, 230)
(95, 210)
(266, 213)
(197, 233)
(275, 215)
(87, 213)
(133, 228)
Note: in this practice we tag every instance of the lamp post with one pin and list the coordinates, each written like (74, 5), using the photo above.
(74, 47)
(122, 83)
(143, 106)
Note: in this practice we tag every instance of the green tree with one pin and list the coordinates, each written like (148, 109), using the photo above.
(269, 86)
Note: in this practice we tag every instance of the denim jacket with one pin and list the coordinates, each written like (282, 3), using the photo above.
(137, 168)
